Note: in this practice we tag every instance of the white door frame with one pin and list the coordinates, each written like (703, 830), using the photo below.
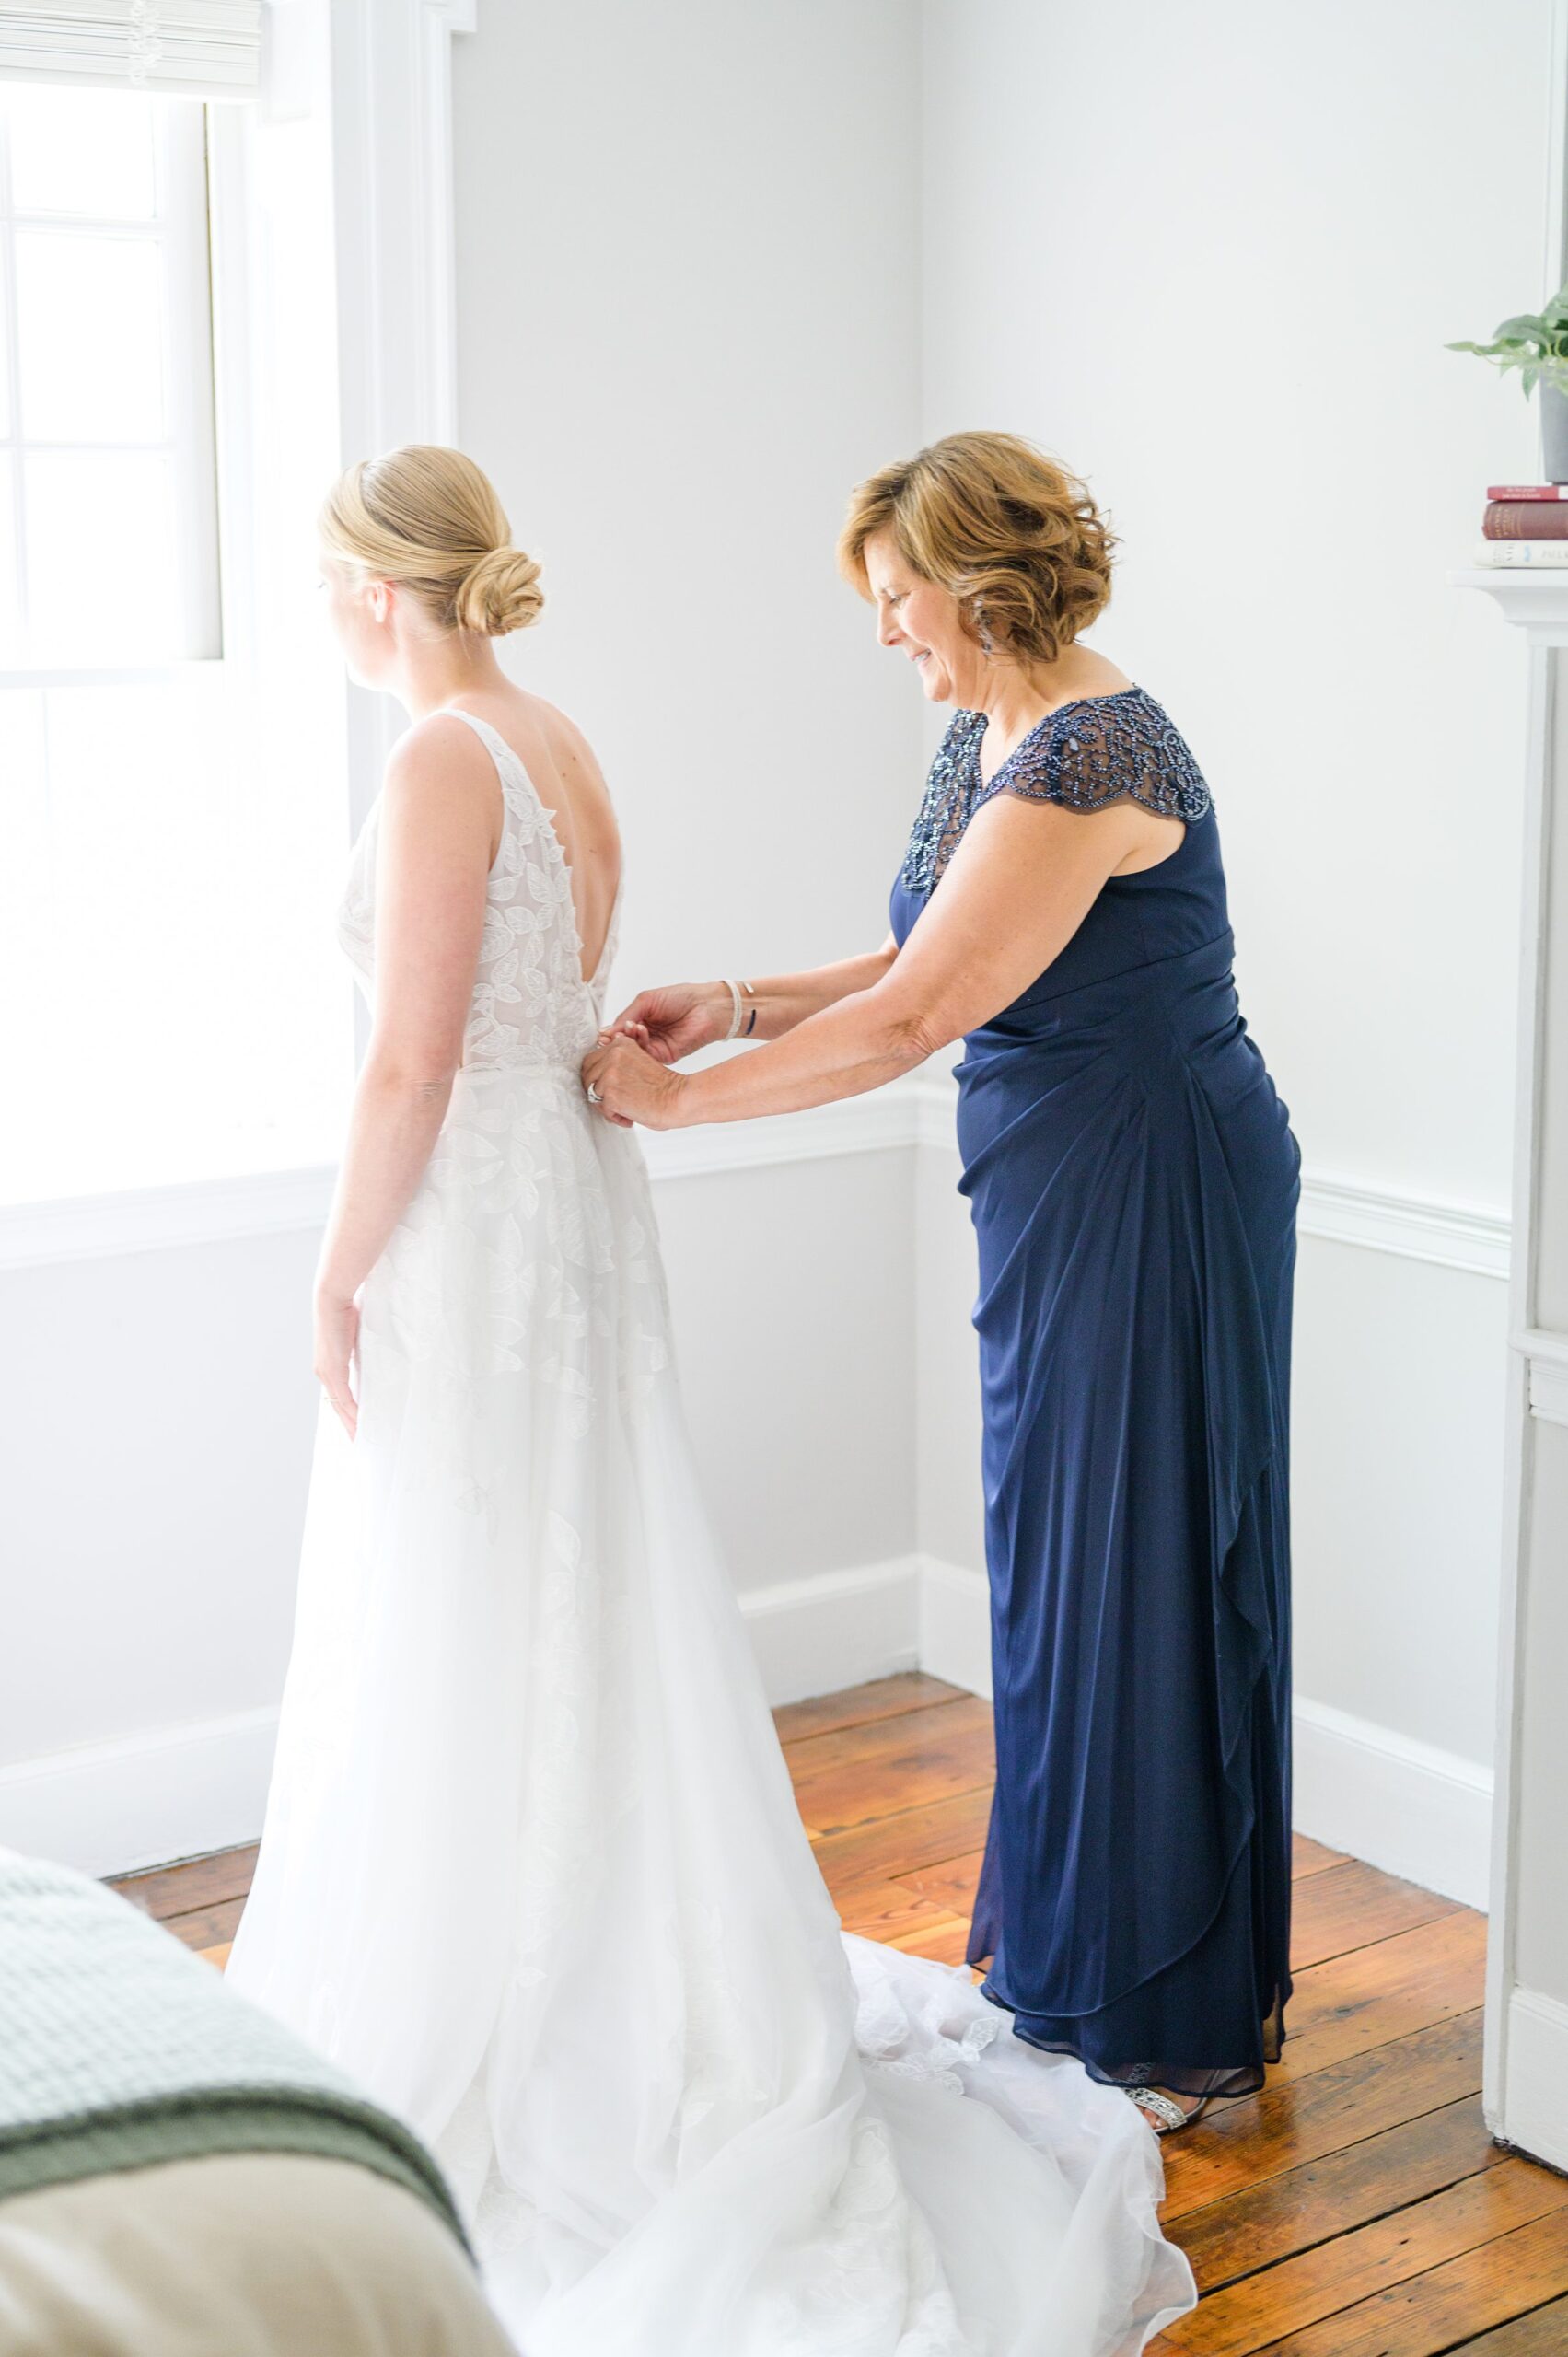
(391, 123)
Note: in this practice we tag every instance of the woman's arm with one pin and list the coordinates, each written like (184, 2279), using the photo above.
(680, 1017)
(1014, 892)
(783, 1000)
(437, 831)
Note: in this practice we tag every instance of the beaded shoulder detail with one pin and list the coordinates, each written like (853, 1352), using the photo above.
(1084, 754)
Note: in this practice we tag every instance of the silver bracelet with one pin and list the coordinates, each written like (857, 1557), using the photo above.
(736, 1006)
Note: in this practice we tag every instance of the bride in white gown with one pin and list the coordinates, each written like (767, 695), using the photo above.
(533, 1868)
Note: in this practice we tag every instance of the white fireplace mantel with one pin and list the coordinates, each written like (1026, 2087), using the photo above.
(1526, 2010)
(1536, 602)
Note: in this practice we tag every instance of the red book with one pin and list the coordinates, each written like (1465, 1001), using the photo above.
(1527, 491)
(1525, 519)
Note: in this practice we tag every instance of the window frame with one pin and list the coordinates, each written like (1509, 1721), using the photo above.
(182, 228)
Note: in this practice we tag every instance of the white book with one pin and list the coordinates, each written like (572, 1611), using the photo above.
(1540, 554)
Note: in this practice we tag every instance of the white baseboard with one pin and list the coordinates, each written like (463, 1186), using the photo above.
(112, 1808)
(177, 1792)
(835, 1629)
(1401, 1805)
(1535, 2074)
(148, 1799)
(954, 1624)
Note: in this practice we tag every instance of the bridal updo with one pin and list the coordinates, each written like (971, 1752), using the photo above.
(428, 519)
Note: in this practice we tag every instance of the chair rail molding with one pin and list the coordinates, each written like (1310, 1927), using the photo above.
(1526, 2076)
(913, 1113)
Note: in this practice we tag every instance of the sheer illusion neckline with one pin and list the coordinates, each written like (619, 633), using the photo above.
(502, 752)
(1071, 704)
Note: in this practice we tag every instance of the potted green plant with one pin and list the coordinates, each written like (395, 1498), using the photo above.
(1536, 343)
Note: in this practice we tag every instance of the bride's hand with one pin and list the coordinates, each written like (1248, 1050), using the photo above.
(337, 1338)
(630, 1085)
(676, 1020)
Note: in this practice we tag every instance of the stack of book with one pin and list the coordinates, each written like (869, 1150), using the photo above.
(1525, 523)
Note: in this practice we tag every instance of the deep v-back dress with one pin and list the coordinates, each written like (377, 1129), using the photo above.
(1133, 1181)
(532, 1867)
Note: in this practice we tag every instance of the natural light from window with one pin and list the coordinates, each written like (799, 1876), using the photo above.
(171, 770)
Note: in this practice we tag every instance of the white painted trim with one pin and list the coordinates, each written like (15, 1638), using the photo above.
(934, 1099)
(1546, 1360)
(1538, 606)
(1548, 1391)
(914, 1113)
(147, 1219)
(396, 267)
(954, 1624)
(112, 1808)
(1399, 1803)
(211, 1211)
(884, 1121)
(392, 157)
(1537, 2051)
(1536, 603)
(1452, 1235)
(169, 1793)
(179, 1791)
(833, 1628)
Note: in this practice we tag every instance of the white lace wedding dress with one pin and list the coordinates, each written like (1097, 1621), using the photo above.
(533, 1868)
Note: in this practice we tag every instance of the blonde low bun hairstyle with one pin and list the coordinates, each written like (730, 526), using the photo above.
(499, 593)
(428, 519)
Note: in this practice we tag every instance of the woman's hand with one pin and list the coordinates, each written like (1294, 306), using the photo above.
(337, 1341)
(678, 1020)
(632, 1085)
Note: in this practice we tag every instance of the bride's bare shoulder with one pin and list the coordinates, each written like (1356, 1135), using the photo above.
(562, 733)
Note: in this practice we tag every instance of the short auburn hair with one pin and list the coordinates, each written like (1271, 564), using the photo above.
(1013, 536)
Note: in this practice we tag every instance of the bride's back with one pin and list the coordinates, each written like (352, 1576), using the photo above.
(570, 784)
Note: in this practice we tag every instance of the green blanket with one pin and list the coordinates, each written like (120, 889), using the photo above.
(118, 2048)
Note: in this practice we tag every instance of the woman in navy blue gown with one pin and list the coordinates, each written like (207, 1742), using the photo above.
(1133, 1181)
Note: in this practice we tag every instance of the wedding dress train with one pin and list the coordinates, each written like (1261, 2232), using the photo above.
(532, 1867)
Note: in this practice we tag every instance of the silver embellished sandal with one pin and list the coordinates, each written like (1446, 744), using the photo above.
(1163, 2116)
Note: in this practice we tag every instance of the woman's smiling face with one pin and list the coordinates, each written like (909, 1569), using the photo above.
(922, 621)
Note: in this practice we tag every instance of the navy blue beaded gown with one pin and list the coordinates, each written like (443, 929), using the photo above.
(1133, 1181)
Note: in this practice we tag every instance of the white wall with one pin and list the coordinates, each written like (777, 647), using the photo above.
(794, 1325)
(687, 300)
(687, 324)
(1211, 256)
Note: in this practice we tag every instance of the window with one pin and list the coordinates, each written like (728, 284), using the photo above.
(173, 790)
(106, 408)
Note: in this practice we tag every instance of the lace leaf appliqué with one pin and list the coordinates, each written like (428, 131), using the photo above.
(1084, 754)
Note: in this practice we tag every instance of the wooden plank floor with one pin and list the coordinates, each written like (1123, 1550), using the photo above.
(1355, 2208)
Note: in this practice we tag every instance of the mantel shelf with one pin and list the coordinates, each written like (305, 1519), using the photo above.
(1536, 602)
